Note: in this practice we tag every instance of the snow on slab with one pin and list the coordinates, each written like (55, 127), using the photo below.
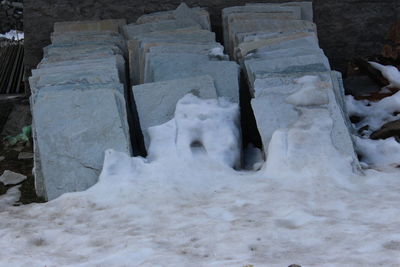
(174, 210)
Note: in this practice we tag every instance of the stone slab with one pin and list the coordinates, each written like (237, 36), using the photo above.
(286, 41)
(306, 8)
(271, 105)
(132, 30)
(106, 70)
(155, 102)
(113, 25)
(182, 36)
(294, 11)
(303, 63)
(201, 14)
(71, 154)
(254, 26)
(164, 67)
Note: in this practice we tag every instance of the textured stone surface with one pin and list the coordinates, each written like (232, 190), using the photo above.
(346, 28)
(155, 102)
(140, 44)
(113, 25)
(274, 109)
(301, 63)
(163, 67)
(71, 154)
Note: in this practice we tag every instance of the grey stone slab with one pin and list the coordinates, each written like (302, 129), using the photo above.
(138, 46)
(168, 48)
(269, 26)
(245, 37)
(164, 67)
(201, 14)
(184, 13)
(287, 52)
(63, 49)
(106, 70)
(306, 8)
(72, 133)
(273, 110)
(294, 11)
(156, 102)
(84, 38)
(132, 30)
(302, 63)
(240, 29)
(286, 41)
(113, 25)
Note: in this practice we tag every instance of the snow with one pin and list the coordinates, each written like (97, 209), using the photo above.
(312, 92)
(379, 154)
(13, 35)
(391, 73)
(182, 207)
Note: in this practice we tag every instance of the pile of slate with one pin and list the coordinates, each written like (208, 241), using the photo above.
(288, 74)
(171, 54)
(78, 105)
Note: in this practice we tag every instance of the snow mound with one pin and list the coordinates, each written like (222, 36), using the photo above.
(200, 128)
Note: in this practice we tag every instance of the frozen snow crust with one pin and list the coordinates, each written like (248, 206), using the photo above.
(185, 206)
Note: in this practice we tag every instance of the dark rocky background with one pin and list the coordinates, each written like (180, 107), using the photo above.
(347, 28)
(11, 15)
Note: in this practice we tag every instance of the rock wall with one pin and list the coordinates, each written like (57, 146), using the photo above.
(346, 28)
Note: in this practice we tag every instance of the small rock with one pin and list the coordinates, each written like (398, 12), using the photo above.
(11, 178)
(25, 155)
(2, 158)
(18, 148)
(294, 265)
(390, 129)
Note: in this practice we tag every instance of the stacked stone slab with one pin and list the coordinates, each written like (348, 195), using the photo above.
(287, 73)
(78, 105)
(172, 53)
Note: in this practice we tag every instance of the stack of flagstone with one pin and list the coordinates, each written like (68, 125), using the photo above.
(78, 105)
(289, 78)
(172, 53)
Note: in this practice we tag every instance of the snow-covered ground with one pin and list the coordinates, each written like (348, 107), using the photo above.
(186, 206)
(13, 34)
